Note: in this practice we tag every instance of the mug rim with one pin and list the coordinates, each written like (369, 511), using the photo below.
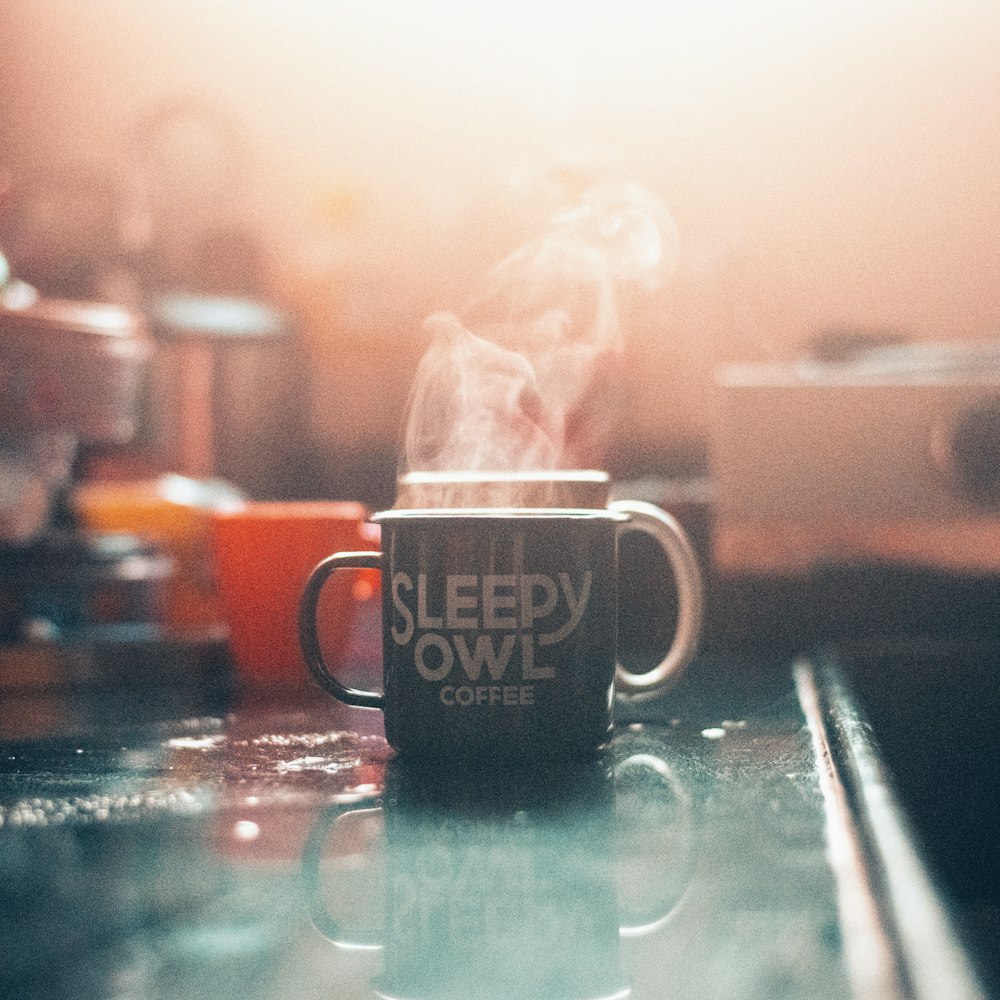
(449, 477)
(498, 514)
(292, 510)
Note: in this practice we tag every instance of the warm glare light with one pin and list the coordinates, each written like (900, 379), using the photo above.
(246, 829)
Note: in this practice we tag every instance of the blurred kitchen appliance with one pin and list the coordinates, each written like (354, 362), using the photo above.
(69, 375)
(82, 615)
(889, 451)
(220, 387)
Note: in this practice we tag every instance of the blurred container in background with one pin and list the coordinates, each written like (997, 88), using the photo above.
(263, 553)
(175, 513)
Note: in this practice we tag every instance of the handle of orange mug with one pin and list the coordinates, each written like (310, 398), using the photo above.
(690, 597)
(309, 638)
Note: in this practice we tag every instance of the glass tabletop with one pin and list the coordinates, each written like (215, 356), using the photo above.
(281, 849)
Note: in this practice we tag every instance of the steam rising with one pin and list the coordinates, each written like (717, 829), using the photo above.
(524, 379)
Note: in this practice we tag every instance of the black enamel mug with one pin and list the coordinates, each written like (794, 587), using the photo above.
(500, 627)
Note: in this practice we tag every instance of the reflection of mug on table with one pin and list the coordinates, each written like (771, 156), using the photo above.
(500, 624)
(504, 885)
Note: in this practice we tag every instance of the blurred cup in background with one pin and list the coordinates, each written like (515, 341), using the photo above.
(263, 553)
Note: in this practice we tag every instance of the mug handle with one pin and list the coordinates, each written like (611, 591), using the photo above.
(690, 597)
(349, 939)
(309, 639)
(639, 923)
(357, 940)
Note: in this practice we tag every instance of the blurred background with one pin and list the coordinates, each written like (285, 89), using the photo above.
(275, 194)
(354, 167)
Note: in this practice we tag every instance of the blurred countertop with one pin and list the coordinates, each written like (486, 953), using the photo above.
(272, 845)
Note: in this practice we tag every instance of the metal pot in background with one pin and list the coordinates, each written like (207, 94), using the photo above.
(69, 375)
(222, 396)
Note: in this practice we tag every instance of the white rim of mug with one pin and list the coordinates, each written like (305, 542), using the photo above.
(498, 513)
(427, 477)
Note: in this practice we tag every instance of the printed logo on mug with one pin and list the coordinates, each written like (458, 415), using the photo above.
(500, 626)
(494, 626)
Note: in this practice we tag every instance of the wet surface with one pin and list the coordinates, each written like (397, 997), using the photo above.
(282, 850)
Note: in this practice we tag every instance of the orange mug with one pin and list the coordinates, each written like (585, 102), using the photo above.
(263, 553)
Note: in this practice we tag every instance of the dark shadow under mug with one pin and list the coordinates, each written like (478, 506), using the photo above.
(500, 627)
